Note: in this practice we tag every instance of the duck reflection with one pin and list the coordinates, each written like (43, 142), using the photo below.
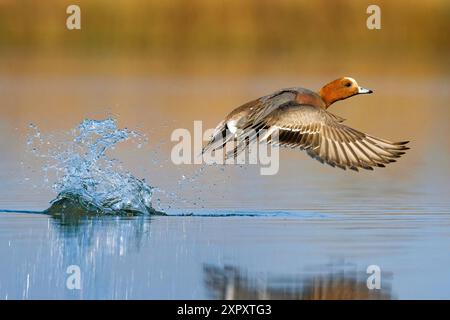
(330, 283)
(114, 234)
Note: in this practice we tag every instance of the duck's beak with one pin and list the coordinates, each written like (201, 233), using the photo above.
(362, 90)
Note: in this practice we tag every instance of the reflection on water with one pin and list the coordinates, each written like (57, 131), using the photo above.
(332, 283)
(156, 257)
(120, 233)
(235, 256)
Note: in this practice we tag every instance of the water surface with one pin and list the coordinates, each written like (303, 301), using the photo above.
(308, 232)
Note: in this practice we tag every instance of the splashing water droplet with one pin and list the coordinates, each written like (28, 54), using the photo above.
(87, 179)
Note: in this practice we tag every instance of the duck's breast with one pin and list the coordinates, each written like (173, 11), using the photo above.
(306, 96)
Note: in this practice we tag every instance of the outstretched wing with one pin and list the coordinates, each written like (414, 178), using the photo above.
(326, 139)
(246, 116)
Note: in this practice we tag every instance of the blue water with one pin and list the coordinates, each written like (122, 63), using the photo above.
(308, 232)
(177, 257)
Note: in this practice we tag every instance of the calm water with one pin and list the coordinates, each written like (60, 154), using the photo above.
(308, 232)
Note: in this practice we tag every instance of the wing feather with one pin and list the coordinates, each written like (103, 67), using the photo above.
(325, 138)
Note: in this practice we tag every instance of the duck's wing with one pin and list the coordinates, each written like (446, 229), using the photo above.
(326, 139)
(266, 105)
(219, 138)
(246, 116)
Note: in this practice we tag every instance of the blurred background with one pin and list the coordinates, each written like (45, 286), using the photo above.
(202, 36)
(160, 65)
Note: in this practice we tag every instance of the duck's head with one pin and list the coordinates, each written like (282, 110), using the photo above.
(341, 89)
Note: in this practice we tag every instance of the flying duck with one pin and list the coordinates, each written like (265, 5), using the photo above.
(300, 118)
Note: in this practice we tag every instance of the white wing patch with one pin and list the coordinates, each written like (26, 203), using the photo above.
(232, 126)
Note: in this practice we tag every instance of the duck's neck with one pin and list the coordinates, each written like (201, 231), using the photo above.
(328, 95)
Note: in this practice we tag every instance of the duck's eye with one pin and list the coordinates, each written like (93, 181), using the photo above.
(348, 84)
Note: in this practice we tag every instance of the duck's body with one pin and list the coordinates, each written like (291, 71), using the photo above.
(301, 119)
(266, 104)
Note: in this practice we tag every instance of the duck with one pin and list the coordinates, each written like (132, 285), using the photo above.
(301, 120)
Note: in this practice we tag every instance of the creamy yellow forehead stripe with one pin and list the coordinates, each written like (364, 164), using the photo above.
(351, 79)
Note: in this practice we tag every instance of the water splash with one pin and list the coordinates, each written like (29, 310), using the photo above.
(87, 179)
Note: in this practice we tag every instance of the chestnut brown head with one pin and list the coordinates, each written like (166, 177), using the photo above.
(341, 89)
